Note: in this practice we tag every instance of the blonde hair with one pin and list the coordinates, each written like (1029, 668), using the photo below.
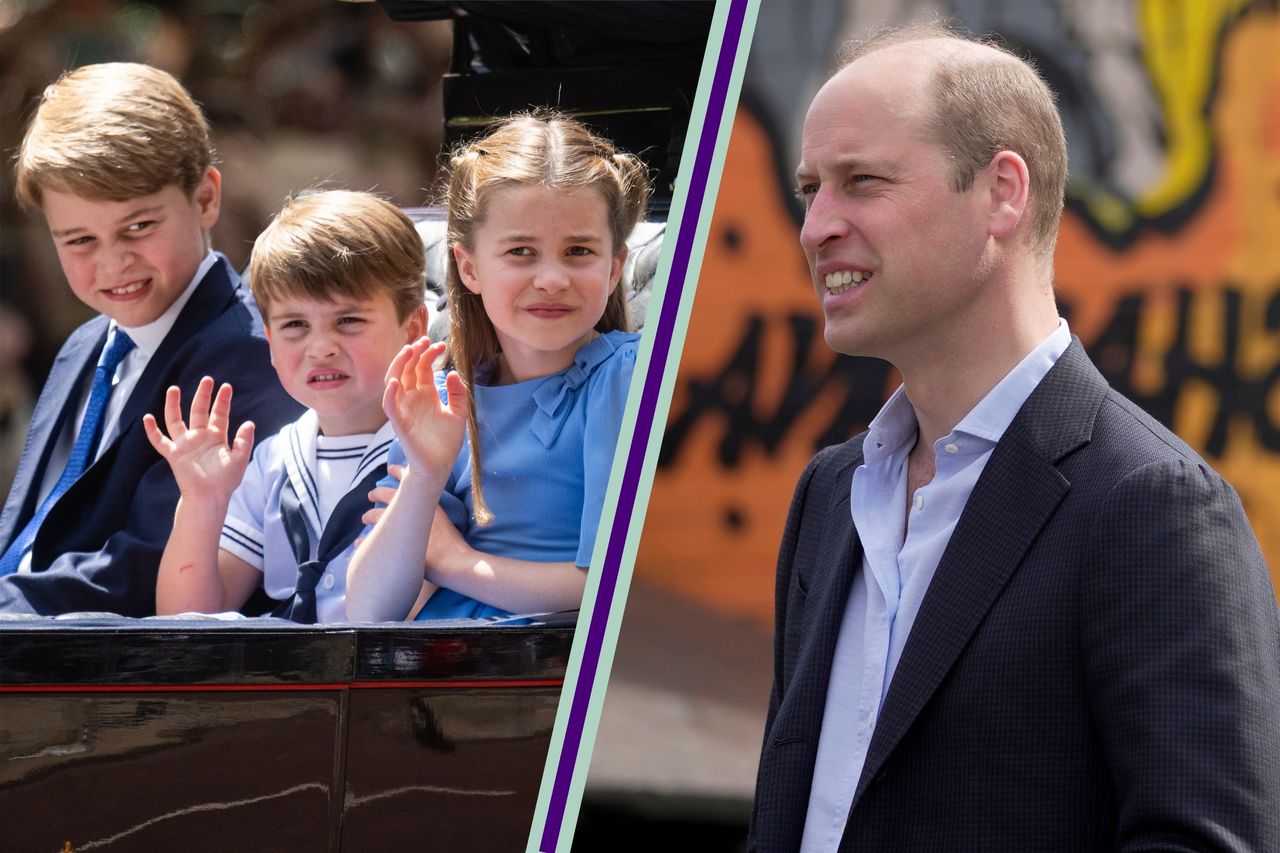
(327, 243)
(543, 149)
(984, 102)
(113, 132)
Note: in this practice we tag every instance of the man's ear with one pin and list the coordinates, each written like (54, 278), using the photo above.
(615, 268)
(466, 268)
(207, 197)
(1009, 183)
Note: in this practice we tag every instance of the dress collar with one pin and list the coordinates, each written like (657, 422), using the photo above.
(554, 396)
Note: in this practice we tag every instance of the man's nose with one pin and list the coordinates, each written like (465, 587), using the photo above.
(824, 221)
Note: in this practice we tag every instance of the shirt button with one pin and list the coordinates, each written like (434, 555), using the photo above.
(328, 581)
(950, 448)
(919, 501)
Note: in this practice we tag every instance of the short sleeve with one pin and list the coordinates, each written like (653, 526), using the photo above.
(242, 530)
(606, 401)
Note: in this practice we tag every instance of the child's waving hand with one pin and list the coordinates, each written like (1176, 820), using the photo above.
(203, 462)
(430, 430)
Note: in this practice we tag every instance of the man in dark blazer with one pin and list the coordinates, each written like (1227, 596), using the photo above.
(1018, 613)
(99, 547)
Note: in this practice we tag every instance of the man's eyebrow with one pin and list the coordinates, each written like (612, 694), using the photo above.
(845, 164)
(131, 215)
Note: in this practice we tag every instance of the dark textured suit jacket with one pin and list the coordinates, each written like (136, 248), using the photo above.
(99, 548)
(1095, 666)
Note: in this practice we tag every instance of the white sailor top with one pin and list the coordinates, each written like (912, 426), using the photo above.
(254, 530)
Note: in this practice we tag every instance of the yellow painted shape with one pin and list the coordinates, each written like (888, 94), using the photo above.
(1180, 44)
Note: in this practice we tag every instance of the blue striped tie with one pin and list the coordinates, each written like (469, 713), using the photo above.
(81, 452)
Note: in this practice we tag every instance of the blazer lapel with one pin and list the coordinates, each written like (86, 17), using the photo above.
(57, 402)
(1013, 499)
(837, 562)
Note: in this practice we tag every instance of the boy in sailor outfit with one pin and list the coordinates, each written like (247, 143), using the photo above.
(338, 277)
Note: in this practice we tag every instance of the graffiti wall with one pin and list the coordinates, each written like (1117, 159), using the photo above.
(1168, 266)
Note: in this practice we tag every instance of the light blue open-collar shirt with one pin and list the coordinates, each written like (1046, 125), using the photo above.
(898, 563)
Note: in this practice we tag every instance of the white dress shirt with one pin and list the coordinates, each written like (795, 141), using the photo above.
(898, 563)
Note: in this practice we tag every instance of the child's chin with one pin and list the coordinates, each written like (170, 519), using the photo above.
(131, 316)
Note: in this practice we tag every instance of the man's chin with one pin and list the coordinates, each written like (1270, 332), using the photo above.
(849, 341)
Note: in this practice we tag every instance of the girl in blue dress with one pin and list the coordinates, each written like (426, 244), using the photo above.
(539, 212)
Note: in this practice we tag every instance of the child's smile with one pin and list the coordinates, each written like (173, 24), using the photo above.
(131, 259)
(544, 264)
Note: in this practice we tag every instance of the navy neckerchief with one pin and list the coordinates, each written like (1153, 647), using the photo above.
(340, 531)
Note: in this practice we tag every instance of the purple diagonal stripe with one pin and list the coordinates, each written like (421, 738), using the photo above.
(644, 423)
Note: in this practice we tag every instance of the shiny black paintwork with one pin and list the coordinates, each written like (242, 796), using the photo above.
(125, 735)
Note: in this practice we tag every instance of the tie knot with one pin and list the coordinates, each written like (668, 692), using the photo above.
(119, 347)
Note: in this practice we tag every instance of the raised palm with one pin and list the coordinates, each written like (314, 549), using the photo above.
(203, 462)
(430, 430)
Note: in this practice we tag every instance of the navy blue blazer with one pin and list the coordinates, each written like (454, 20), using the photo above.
(99, 547)
(1095, 666)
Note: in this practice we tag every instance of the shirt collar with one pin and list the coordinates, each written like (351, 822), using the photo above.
(149, 337)
(892, 427)
(991, 417)
(895, 424)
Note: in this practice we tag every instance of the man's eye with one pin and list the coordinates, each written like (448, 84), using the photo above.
(803, 191)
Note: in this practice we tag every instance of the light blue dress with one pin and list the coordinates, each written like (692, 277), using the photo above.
(547, 449)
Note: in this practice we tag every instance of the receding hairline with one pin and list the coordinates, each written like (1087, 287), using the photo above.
(949, 43)
(945, 50)
(916, 81)
(950, 51)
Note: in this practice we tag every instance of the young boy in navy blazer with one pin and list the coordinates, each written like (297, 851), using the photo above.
(118, 159)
